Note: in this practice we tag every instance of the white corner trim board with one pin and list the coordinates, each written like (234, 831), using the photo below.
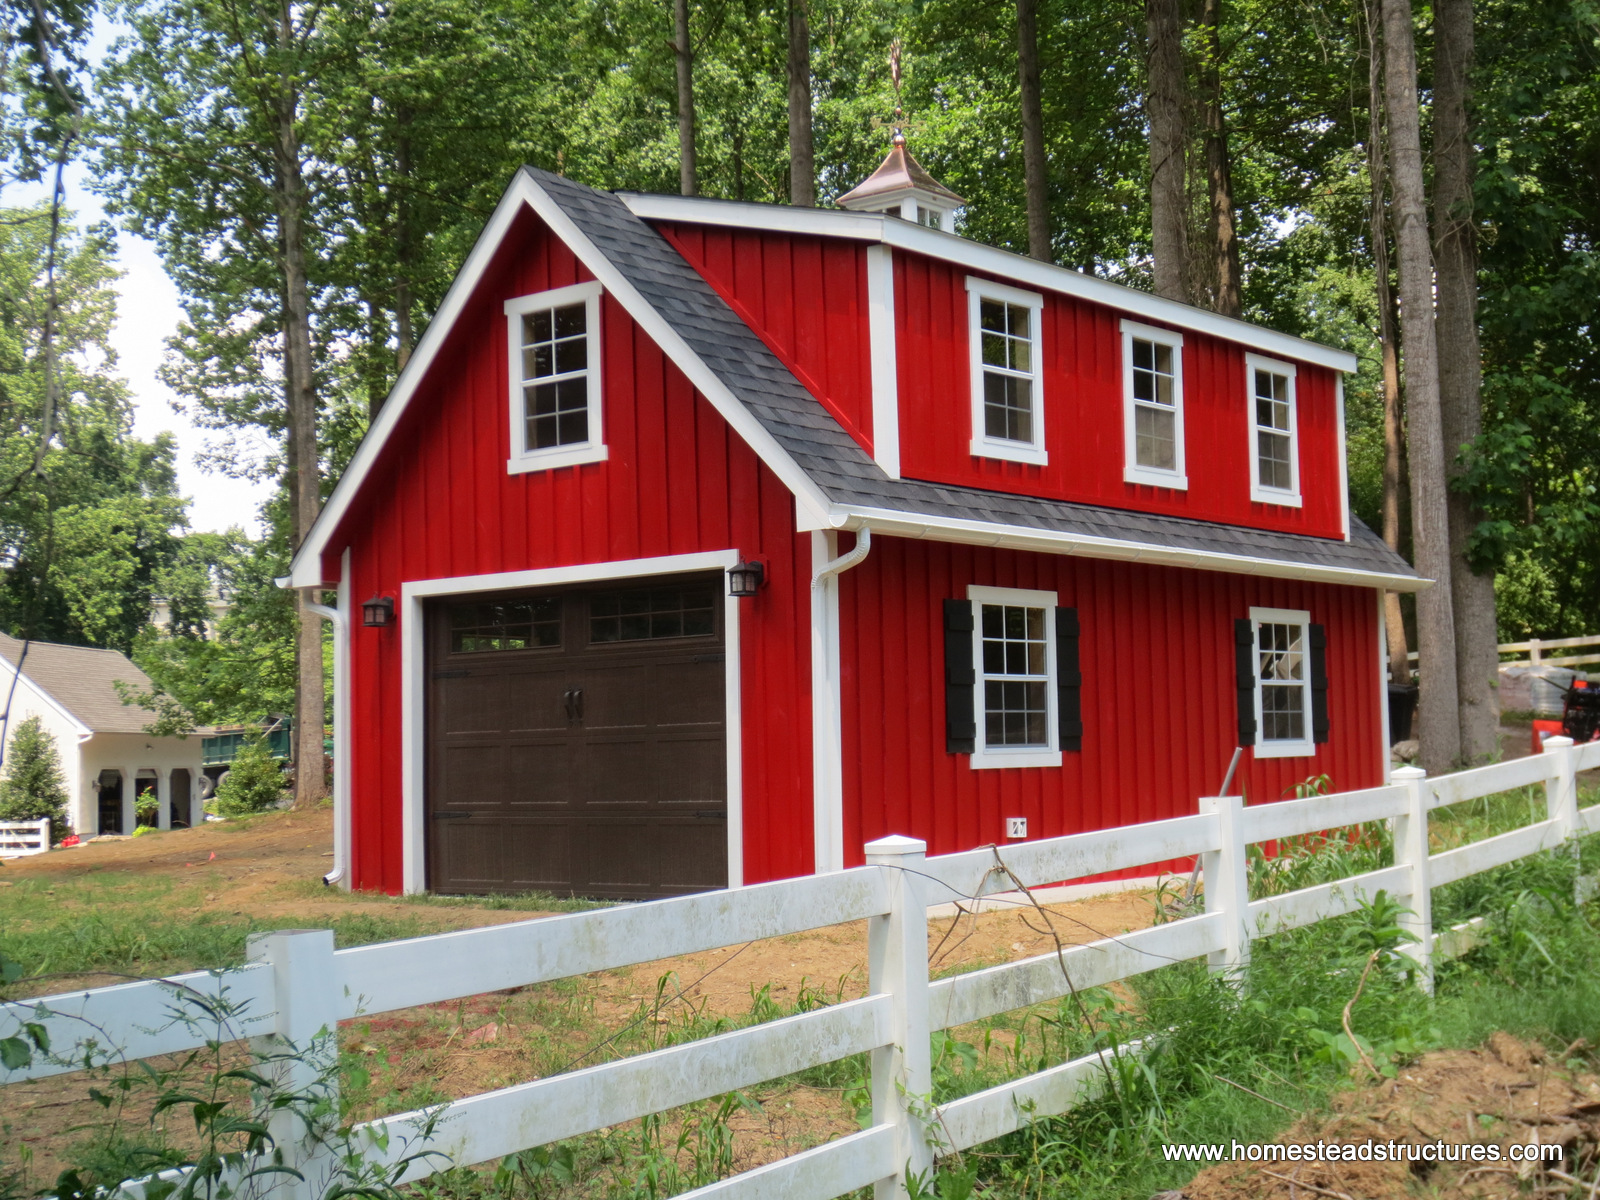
(1003, 264)
(413, 664)
(885, 363)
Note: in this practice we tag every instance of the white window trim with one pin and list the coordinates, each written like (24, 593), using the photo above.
(1289, 497)
(1132, 472)
(594, 450)
(982, 757)
(1301, 747)
(984, 446)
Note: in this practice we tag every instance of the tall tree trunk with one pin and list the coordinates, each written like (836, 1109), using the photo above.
(1388, 340)
(1460, 370)
(802, 168)
(404, 247)
(1033, 161)
(301, 387)
(686, 167)
(1440, 726)
(1169, 232)
(1229, 300)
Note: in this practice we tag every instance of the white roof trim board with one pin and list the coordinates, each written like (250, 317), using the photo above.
(835, 482)
(950, 247)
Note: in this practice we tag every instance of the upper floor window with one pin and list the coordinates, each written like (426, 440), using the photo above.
(1007, 404)
(1274, 446)
(555, 378)
(1152, 401)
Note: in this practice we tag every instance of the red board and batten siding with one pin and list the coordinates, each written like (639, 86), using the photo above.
(806, 297)
(1082, 356)
(677, 481)
(1159, 710)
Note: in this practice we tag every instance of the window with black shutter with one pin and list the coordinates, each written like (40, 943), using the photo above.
(1281, 667)
(960, 726)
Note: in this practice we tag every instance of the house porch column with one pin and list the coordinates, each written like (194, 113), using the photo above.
(130, 783)
(164, 797)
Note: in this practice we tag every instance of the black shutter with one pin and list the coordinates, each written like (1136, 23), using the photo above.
(1069, 680)
(1244, 669)
(1319, 683)
(960, 727)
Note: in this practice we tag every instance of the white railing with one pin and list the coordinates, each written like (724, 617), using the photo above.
(297, 988)
(1536, 648)
(19, 838)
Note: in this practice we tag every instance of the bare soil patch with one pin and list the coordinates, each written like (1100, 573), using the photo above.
(1504, 1093)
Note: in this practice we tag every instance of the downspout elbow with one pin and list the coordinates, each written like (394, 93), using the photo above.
(851, 558)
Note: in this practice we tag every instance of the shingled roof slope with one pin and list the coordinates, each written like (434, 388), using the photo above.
(82, 680)
(845, 472)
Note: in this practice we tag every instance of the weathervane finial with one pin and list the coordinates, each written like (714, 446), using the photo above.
(899, 138)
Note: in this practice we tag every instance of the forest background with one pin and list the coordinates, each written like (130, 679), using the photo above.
(312, 175)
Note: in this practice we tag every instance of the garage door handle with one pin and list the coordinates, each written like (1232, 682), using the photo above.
(574, 702)
(451, 816)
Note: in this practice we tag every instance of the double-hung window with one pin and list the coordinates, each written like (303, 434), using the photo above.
(554, 341)
(1274, 446)
(1152, 406)
(1286, 665)
(1014, 652)
(1007, 399)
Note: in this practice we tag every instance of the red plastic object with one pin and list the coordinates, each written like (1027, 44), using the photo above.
(1542, 730)
(70, 840)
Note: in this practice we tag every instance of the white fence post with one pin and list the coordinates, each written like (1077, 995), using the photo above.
(1228, 886)
(1561, 789)
(897, 964)
(1411, 851)
(301, 1056)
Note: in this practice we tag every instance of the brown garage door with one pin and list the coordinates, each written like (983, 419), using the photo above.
(576, 741)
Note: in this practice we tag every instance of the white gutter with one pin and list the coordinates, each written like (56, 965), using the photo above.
(827, 754)
(1044, 541)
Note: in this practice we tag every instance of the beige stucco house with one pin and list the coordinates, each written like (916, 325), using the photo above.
(106, 755)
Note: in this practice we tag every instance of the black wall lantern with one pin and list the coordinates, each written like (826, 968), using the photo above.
(378, 613)
(746, 578)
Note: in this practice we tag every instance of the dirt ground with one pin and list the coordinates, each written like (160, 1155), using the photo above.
(1501, 1094)
(269, 869)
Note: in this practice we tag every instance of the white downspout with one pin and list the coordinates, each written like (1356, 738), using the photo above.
(341, 726)
(827, 768)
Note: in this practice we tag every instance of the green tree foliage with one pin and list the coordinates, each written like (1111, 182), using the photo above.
(33, 786)
(254, 782)
(90, 529)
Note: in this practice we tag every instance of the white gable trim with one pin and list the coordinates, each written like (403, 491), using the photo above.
(82, 730)
(1045, 541)
(524, 190)
(1013, 268)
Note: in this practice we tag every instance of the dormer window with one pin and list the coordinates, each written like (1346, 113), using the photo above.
(931, 217)
(554, 347)
(1274, 444)
(1007, 404)
(1152, 404)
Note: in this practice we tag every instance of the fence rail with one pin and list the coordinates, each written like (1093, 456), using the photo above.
(298, 987)
(19, 838)
(1535, 649)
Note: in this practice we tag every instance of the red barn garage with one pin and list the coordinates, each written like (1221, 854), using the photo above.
(1029, 553)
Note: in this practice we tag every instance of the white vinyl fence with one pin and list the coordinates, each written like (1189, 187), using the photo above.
(299, 986)
(19, 838)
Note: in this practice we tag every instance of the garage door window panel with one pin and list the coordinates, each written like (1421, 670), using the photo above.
(656, 615)
(506, 625)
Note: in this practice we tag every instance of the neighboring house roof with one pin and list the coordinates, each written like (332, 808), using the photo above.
(81, 680)
(835, 481)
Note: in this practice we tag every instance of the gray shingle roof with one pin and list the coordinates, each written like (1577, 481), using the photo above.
(847, 475)
(81, 680)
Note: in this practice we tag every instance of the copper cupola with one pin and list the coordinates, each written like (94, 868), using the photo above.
(901, 187)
